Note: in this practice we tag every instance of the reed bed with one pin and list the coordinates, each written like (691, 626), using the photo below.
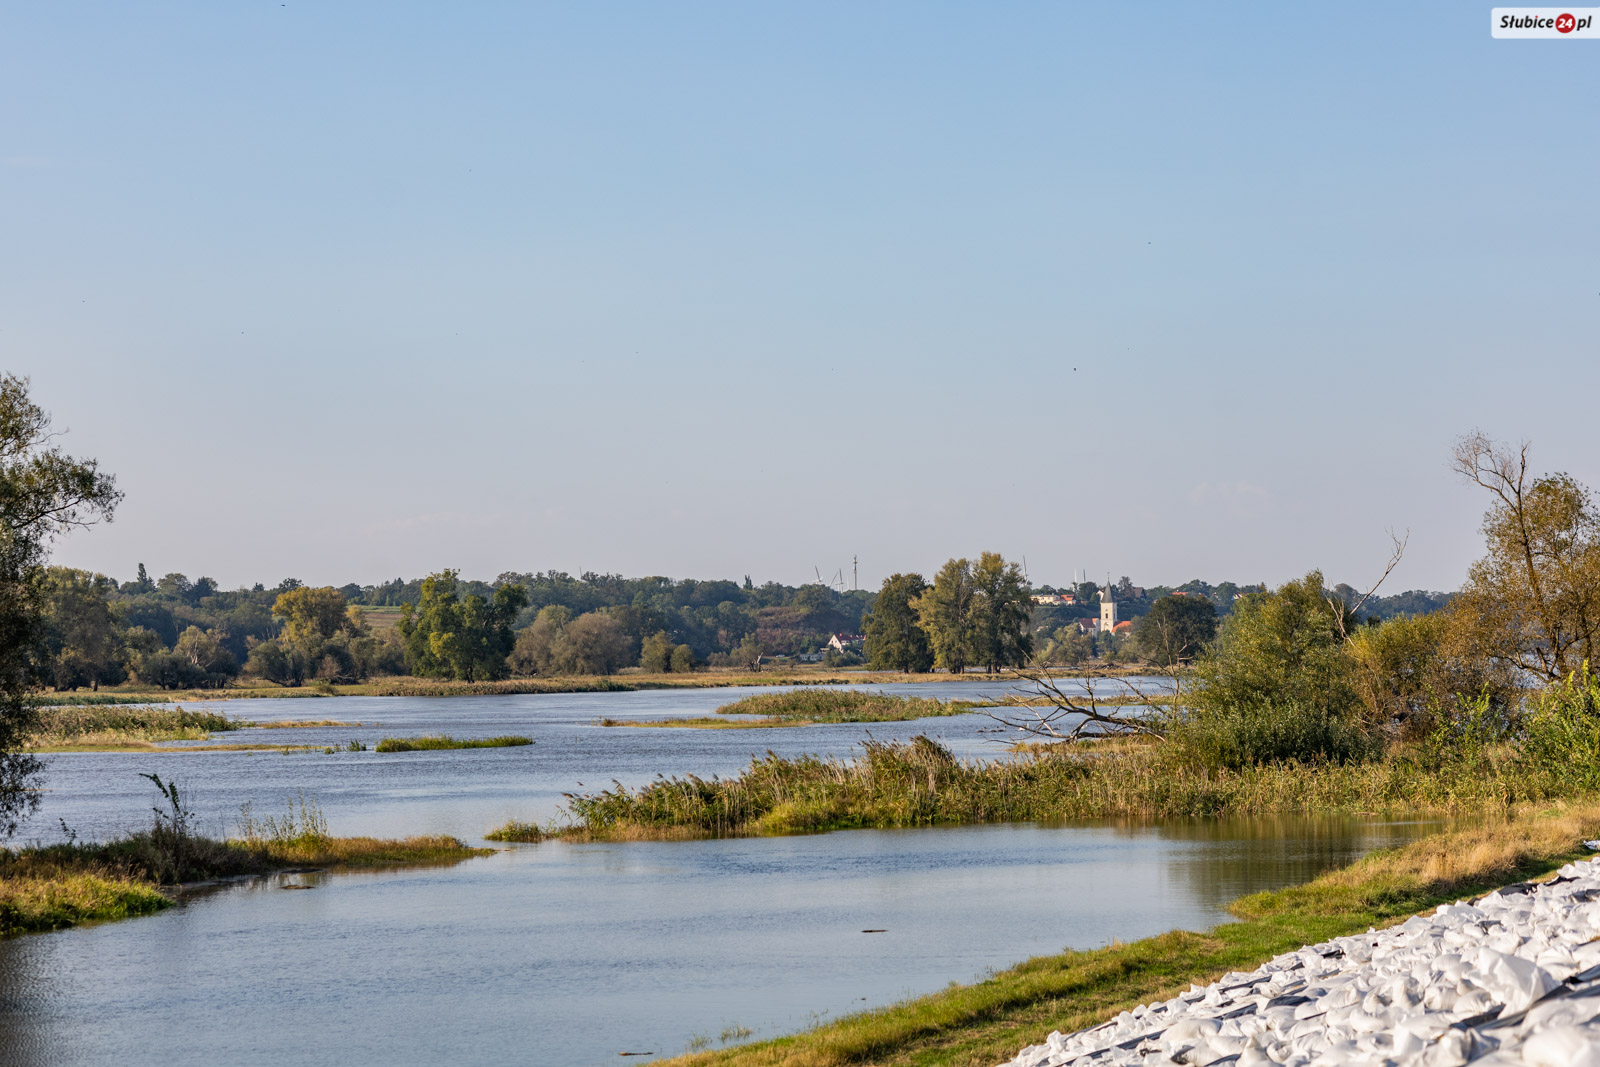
(920, 783)
(434, 742)
(842, 705)
(47, 887)
(109, 724)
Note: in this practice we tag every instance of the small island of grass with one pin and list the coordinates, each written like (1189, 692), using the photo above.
(145, 728)
(48, 887)
(434, 742)
(808, 707)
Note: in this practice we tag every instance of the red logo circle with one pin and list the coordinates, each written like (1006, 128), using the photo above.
(1565, 23)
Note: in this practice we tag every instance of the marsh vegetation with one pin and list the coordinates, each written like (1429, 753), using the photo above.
(434, 742)
(47, 887)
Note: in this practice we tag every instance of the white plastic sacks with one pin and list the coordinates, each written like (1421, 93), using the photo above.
(1510, 979)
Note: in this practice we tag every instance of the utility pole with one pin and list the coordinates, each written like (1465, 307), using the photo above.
(854, 575)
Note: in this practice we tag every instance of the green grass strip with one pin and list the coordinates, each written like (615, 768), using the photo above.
(439, 741)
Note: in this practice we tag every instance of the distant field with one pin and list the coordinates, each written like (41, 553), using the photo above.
(381, 619)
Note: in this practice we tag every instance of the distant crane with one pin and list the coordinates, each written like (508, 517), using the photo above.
(836, 583)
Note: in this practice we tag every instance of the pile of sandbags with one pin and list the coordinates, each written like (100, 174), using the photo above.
(1511, 978)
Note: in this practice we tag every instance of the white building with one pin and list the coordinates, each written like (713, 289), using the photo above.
(1108, 612)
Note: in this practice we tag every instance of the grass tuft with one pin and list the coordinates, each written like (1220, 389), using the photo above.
(523, 832)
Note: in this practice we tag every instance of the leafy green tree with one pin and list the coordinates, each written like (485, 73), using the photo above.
(274, 661)
(1000, 611)
(1068, 647)
(466, 637)
(1413, 671)
(1278, 683)
(310, 616)
(1176, 629)
(43, 493)
(599, 644)
(82, 640)
(655, 653)
(748, 653)
(542, 647)
(895, 640)
(945, 613)
(682, 659)
(1281, 646)
(214, 663)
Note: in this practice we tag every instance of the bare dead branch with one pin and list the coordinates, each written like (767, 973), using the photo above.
(1072, 717)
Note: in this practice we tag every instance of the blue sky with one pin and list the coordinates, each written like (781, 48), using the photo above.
(348, 292)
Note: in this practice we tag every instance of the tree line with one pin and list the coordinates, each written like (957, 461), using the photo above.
(175, 633)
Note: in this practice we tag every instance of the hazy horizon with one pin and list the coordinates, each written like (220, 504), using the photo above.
(708, 290)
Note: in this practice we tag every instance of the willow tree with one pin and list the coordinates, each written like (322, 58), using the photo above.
(44, 493)
(1533, 601)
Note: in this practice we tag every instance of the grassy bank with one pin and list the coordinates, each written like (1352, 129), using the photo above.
(920, 783)
(986, 1023)
(439, 742)
(53, 886)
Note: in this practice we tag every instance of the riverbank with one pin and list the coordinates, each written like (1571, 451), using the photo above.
(985, 1023)
(51, 887)
(627, 681)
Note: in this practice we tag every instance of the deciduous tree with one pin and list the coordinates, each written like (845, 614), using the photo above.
(1533, 601)
(944, 611)
(895, 640)
(466, 637)
(43, 493)
(1000, 611)
(1176, 629)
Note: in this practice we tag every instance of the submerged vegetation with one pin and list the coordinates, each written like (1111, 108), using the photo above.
(440, 741)
(47, 887)
(984, 1023)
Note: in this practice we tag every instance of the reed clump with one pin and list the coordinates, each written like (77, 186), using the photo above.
(518, 831)
(842, 705)
(111, 724)
(47, 887)
(918, 783)
(440, 741)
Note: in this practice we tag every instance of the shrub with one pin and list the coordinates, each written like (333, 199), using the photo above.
(1242, 735)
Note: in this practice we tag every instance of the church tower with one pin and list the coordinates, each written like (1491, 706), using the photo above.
(1108, 609)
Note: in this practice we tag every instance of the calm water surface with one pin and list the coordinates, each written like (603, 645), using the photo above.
(570, 954)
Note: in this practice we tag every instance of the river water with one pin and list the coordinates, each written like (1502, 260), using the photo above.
(570, 954)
